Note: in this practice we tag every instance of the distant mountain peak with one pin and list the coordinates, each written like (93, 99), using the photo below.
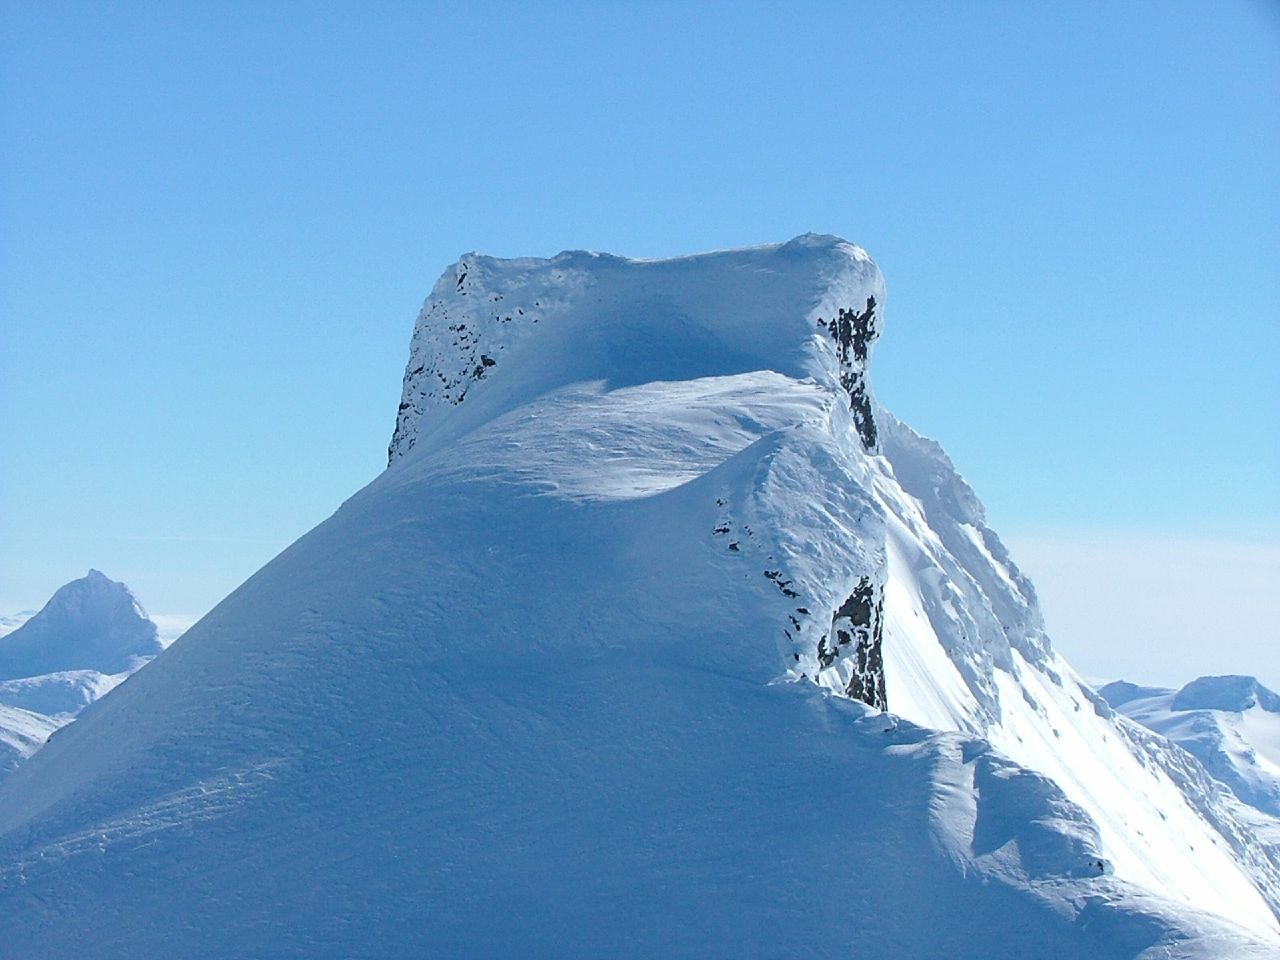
(1231, 724)
(1119, 692)
(1232, 693)
(93, 623)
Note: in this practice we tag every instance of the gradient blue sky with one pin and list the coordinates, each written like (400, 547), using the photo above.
(219, 222)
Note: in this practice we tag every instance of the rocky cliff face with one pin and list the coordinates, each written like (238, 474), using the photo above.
(853, 333)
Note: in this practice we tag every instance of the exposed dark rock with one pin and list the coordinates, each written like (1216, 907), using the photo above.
(783, 585)
(853, 333)
(857, 628)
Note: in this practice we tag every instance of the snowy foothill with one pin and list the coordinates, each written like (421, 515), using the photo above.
(658, 636)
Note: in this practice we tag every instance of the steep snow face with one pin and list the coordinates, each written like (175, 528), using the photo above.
(92, 623)
(598, 637)
(964, 649)
(89, 636)
(1230, 724)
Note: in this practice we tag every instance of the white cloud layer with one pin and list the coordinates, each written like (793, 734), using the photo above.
(171, 625)
(1158, 610)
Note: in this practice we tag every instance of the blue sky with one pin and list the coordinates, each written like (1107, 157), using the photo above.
(219, 222)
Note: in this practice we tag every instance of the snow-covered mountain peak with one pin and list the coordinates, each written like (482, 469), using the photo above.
(94, 623)
(97, 596)
(93, 594)
(1232, 693)
(1231, 724)
(495, 333)
(653, 606)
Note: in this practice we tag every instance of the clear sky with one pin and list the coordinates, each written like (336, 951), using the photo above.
(219, 221)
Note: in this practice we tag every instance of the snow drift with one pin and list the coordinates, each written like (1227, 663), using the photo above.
(657, 637)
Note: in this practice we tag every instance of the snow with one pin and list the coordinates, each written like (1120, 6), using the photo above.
(53, 661)
(22, 733)
(62, 694)
(565, 680)
(90, 623)
(1230, 724)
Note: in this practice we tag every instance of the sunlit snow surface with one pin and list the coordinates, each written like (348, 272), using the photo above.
(545, 687)
(1230, 724)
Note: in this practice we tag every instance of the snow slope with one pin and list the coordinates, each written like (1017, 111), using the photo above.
(89, 637)
(1230, 724)
(580, 675)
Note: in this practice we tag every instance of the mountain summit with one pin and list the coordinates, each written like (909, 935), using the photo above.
(89, 636)
(539, 325)
(94, 623)
(657, 637)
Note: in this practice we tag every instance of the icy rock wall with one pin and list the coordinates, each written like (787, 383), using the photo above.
(853, 333)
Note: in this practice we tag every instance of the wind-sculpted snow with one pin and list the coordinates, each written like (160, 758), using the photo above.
(494, 333)
(571, 679)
